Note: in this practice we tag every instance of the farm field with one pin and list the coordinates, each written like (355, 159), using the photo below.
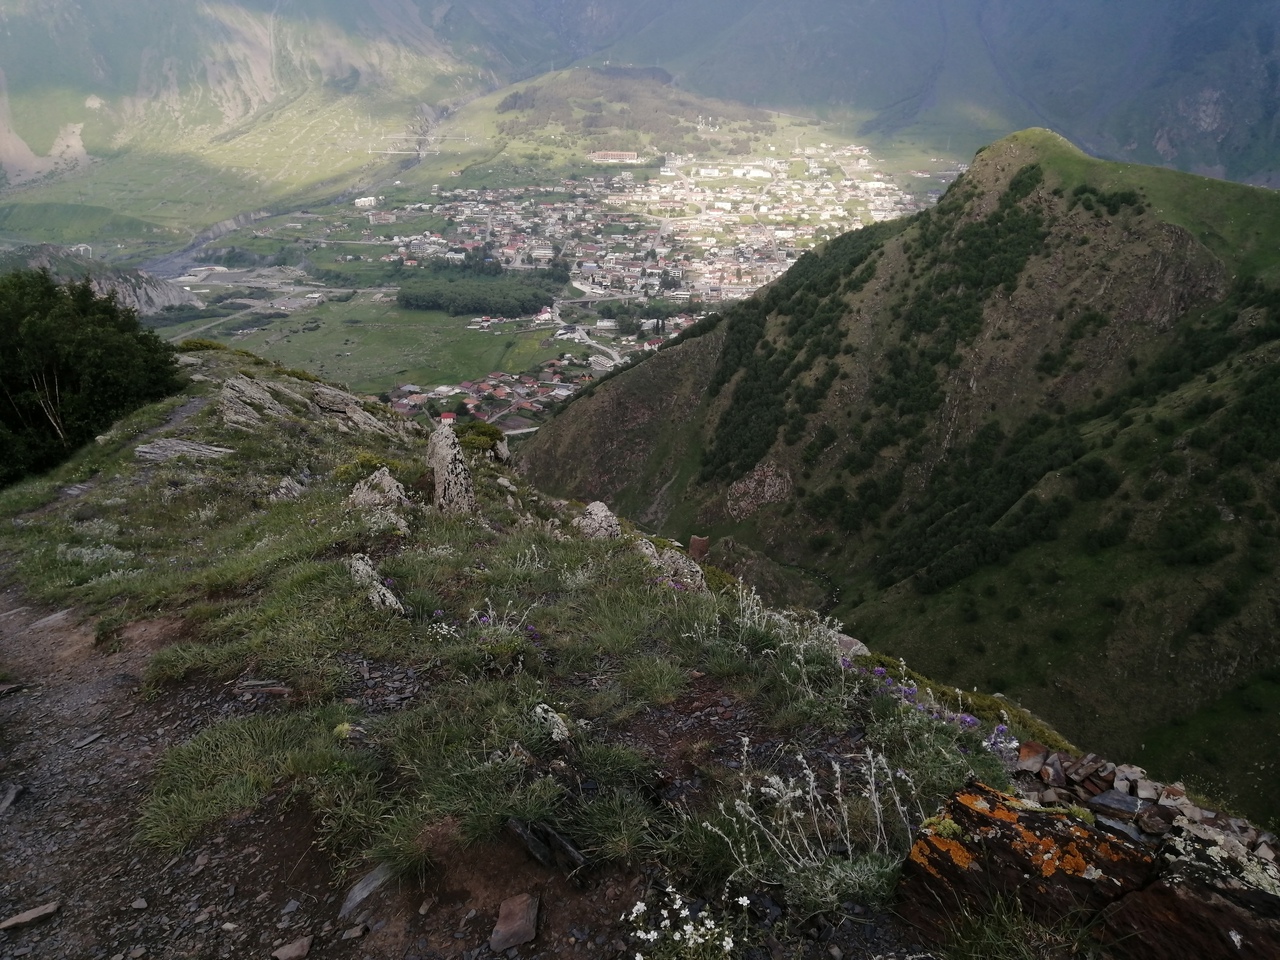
(374, 346)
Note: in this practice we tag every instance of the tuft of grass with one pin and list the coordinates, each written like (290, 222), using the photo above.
(230, 767)
(1005, 931)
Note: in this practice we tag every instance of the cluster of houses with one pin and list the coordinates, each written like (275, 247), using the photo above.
(513, 401)
(701, 230)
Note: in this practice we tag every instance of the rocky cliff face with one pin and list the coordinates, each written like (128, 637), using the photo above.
(133, 288)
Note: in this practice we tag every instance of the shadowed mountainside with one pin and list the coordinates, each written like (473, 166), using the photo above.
(1029, 434)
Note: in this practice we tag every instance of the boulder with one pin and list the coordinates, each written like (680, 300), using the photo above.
(598, 523)
(380, 489)
(682, 569)
(454, 487)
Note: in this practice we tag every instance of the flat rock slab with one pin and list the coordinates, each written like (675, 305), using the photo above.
(517, 923)
(34, 915)
(162, 450)
(361, 891)
(294, 951)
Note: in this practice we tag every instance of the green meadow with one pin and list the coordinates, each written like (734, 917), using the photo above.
(373, 346)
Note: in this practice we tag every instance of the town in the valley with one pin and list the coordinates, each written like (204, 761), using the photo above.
(649, 247)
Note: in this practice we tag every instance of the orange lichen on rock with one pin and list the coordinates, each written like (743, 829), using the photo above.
(957, 851)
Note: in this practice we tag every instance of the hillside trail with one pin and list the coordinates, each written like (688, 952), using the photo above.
(80, 741)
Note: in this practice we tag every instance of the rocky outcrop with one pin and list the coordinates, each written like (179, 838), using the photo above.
(1213, 898)
(380, 489)
(381, 499)
(364, 575)
(1198, 893)
(598, 522)
(454, 487)
(244, 403)
(987, 844)
(345, 407)
(766, 483)
(682, 570)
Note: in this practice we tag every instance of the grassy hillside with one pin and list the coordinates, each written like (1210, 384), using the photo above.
(499, 666)
(1027, 434)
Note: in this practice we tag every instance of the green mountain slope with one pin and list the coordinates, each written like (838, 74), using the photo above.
(1029, 434)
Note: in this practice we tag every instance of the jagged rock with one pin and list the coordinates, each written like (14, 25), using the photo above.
(161, 450)
(288, 489)
(517, 923)
(647, 550)
(455, 489)
(380, 496)
(332, 400)
(505, 484)
(244, 402)
(380, 489)
(364, 574)
(682, 570)
(502, 451)
(988, 844)
(598, 522)
(1213, 898)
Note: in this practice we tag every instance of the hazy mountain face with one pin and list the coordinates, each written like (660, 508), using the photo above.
(1187, 83)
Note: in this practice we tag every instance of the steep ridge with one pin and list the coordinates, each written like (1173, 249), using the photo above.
(134, 289)
(1028, 433)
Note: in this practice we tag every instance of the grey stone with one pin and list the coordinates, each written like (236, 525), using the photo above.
(682, 569)
(598, 522)
(364, 575)
(454, 488)
(363, 889)
(11, 792)
(1115, 804)
(517, 922)
(294, 951)
(288, 489)
(139, 904)
(379, 489)
(33, 915)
